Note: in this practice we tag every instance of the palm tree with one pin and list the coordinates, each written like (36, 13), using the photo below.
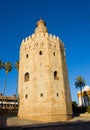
(17, 67)
(8, 67)
(80, 83)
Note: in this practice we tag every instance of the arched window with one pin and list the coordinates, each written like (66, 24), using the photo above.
(56, 75)
(40, 52)
(26, 77)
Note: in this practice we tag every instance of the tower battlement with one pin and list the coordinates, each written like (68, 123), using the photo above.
(46, 35)
(41, 31)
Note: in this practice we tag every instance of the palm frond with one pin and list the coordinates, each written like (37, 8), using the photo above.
(7, 66)
(17, 65)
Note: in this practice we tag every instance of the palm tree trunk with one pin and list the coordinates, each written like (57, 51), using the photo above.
(4, 88)
(16, 91)
(81, 96)
(17, 87)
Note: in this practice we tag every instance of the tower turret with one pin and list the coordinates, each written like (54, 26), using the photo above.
(41, 27)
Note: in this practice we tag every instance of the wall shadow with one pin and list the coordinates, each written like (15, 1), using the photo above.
(3, 121)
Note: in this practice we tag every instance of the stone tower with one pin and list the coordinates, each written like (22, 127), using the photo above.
(44, 91)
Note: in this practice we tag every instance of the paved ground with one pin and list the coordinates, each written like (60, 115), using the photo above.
(16, 121)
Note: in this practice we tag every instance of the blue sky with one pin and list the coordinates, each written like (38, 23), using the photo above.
(68, 19)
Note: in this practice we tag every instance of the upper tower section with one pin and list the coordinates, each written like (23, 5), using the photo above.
(40, 27)
(39, 37)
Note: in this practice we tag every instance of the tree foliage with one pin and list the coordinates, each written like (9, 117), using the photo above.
(17, 65)
(1, 64)
(7, 66)
(80, 82)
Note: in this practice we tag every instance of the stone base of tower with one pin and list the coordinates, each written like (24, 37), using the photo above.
(48, 118)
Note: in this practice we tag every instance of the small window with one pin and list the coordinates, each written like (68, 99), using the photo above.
(54, 53)
(26, 77)
(26, 55)
(26, 96)
(56, 75)
(55, 46)
(57, 94)
(41, 95)
(40, 52)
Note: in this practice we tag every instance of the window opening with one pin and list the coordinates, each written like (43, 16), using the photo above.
(56, 75)
(26, 96)
(57, 94)
(26, 55)
(54, 53)
(40, 52)
(26, 77)
(41, 95)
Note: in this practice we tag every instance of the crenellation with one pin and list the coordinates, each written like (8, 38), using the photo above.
(50, 35)
(22, 40)
(29, 37)
(58, 38)
(26, 39)
(54, 37)
(33, 35)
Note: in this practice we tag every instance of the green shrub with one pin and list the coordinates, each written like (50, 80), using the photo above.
(78, 110)
(81, 109)
(88, 109)
(74, 107)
